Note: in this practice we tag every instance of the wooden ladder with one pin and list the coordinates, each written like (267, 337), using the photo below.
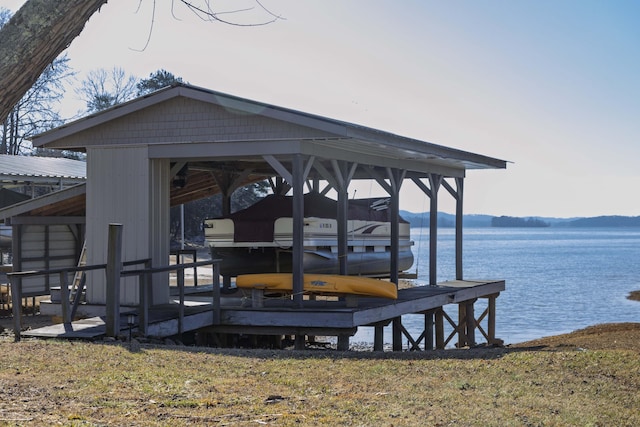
(78, 283)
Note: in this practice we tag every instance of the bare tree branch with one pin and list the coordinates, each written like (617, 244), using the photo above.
(268, 11)
(42, 29)
(212, 15)
(206, 13)
(153, 19)
(33, 38)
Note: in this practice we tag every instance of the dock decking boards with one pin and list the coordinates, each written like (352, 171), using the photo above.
(281, 316)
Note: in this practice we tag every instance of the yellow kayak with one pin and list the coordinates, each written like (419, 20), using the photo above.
(320, 283)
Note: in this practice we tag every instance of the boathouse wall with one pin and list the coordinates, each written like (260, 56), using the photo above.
(125, 187)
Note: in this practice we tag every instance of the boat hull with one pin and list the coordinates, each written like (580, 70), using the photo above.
(320, 283)
(237, 261)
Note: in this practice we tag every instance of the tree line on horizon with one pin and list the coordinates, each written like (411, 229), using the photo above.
(446, 220)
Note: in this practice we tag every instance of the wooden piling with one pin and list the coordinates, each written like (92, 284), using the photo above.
(113, 270)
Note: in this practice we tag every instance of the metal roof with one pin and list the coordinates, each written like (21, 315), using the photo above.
(345, 140)
(20, 170)
(252, 156)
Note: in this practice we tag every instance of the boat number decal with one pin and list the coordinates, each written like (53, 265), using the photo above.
(370, 229)
(318, 283)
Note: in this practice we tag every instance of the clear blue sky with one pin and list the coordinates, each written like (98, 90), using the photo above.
(551, 86)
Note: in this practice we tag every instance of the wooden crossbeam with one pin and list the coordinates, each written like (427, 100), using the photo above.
(415, 344)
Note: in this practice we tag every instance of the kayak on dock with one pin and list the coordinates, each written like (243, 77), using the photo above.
(320, 283)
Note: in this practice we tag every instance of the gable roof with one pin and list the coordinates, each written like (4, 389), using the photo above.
(196, 118)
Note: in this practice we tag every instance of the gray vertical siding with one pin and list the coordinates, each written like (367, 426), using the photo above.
(117, 195)
(39, 252)
(158, 226)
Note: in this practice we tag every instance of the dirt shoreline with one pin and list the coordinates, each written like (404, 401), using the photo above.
(624, 336)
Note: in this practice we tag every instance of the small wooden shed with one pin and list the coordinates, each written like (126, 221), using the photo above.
(44, 239)
(209, 142)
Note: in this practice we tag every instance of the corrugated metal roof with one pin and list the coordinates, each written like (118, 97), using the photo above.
(28, 168)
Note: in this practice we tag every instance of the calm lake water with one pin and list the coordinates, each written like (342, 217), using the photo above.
(557, 279)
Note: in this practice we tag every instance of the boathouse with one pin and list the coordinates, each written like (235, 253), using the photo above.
(183, 142)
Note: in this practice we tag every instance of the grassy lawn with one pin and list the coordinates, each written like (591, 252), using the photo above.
(558, 382)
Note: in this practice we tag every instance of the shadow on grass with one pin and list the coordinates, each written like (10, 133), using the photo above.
(484, 353)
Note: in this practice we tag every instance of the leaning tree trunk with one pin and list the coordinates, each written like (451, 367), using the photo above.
(33, 38)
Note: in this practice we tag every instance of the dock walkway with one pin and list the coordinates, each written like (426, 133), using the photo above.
(278, 316)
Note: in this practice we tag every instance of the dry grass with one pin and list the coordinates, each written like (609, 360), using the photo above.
(575, 379)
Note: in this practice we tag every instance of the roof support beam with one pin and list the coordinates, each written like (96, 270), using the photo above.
(228, 182)
(284, 172)
(297, 183)
(280, 186)
(176, 168)
(434, 181)
(396, 177)
(379, 179)
(421, 185)
(459, 224)
(343, 172)
(279, 167)
(326, 175)
(450, 189)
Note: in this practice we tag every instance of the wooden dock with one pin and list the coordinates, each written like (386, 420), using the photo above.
(341, 318)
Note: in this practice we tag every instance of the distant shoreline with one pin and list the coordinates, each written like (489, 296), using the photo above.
(447, 220)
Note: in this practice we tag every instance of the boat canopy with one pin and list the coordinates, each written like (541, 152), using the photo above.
(255, 223)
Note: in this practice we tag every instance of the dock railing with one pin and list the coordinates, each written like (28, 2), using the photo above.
(68, 307)
(144, 282)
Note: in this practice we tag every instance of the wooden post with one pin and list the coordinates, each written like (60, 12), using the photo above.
(297, 257)
(180, 280)
(462, 326)
(16, 306)
(491, 321)
(257, 298)
(397, 334)
(394, 216)
(216, 291)
(434, 181)
(459, 226)
(64, 298)
(439, 315)
(343, 342)
(114, 267)
(428, 330)
(342, 217)
(378, 338)
(395, 176)
(143, 302)
(471, 323)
